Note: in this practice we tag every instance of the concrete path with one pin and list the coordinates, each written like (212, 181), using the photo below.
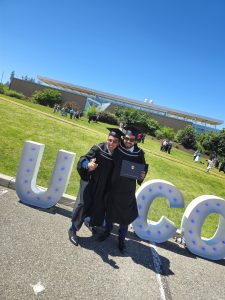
(38, 261)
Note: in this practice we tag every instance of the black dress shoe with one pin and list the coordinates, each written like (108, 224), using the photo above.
(104, 236)
(121, 245)
(73, 237)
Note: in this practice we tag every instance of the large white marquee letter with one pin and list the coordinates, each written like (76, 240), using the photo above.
(164, 229)
(192, 221)
(26, 187)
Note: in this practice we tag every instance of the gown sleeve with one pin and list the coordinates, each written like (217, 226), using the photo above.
(84, 173)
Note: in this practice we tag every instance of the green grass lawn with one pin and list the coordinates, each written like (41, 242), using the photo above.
(19, 123)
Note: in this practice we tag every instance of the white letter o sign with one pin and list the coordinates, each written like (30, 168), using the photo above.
(192, 221)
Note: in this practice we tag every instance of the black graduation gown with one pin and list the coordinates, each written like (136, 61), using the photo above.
(90, 199)
(120, 199)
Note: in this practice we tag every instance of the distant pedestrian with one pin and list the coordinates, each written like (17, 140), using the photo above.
(121, 127)
(55, 108)
(78, 115)
(143, 138)
(217, 162)
(163, 145)
(93, 118)
(222, 167)
(58, 108)
(139, 137)
(210, 165)
(169, 146)
(197, 157)
(71, 113)
(63, 112)
(195, 154)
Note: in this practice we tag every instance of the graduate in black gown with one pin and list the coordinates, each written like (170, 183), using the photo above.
(94, 169)
(120, 199)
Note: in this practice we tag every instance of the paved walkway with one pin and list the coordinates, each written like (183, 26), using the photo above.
(37, 257)
(35, 252)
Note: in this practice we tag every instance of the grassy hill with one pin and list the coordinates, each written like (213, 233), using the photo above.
(21, 121)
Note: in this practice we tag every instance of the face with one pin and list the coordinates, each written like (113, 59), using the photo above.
(129, 141)
(112, 143)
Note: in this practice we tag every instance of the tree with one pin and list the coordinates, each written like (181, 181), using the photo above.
(12, 75)
(168, 133)
(187, 137)
(209, 141)
(221, 143)
(141, 120)
(2, 88)
(47, 97)
(92, 110)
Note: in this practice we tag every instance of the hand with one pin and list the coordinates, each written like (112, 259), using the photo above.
(92, 165)
(142, 175)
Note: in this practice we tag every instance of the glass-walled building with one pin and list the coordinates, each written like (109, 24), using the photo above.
(84, 97)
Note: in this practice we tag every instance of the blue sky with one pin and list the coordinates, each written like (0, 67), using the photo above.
(171, 51)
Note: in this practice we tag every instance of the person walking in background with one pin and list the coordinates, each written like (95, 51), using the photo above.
(121, 126)
(163, 145)
(58, 108)
(78, 115)
(63, 112)
(143, 138)
(169, 146)
(216, 163)
(55, 108)
(95, 170)
(210, 165)
(222, 167)
(197, 156)
(71, 113)
(121, 205)
(139, 137)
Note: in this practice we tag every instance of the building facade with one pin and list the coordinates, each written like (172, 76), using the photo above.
(83, 97)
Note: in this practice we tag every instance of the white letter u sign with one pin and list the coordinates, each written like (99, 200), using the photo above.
(26, 187)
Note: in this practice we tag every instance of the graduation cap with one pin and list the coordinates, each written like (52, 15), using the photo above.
(116, 132)
(131, 130)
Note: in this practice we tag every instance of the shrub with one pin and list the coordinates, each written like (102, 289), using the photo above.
(159, 134)
(92, 110)
(108, 118)
(187, 137)
(168, 133)
(15, 94)
(139, 119)
(47, 97)
(1, 89)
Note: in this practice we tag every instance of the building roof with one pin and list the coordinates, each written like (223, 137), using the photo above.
(148, 106)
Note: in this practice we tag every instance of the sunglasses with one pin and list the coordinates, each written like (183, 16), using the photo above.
(127, 139)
